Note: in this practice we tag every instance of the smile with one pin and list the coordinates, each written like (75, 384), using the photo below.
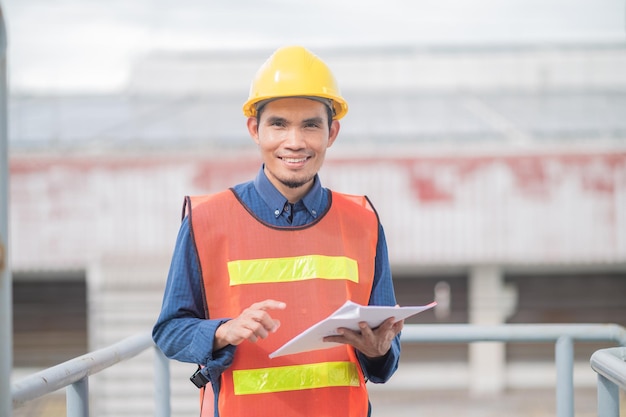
(294, 160)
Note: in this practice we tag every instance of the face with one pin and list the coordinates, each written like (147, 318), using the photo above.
(293, 135)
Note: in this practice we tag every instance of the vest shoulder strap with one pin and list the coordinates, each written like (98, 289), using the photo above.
(194, 201)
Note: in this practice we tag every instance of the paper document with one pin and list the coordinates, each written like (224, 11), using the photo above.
(349, 315)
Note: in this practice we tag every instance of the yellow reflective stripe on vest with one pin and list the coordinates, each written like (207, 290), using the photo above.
(297, 377)
(300, 268)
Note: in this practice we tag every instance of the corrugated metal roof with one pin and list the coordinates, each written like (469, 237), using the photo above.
(531, 94)
(111, 122)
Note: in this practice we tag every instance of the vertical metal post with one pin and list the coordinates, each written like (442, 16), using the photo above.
(161, 384)
(564, 353)
(6, 304)
(77, 398)
(608, 398)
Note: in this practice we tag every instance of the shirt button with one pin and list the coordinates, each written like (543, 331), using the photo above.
(276, 212)
(313, 212)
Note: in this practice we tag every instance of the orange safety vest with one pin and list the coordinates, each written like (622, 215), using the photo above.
(314, 269)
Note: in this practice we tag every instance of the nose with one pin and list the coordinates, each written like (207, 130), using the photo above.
(294, 139)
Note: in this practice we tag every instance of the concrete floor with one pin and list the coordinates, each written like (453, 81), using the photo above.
(517, 403)
(440, 403)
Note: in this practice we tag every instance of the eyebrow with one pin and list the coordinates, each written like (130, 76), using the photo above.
(274, 119)
(316, 120)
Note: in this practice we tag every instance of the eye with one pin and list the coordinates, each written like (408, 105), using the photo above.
(277, 123)
(313, 124)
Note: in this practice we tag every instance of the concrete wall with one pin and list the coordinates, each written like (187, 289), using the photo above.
(563, 206)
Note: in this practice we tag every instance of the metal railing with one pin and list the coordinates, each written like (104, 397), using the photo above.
(74, 373)
(610, 364)
(74, 376)
(563, 335)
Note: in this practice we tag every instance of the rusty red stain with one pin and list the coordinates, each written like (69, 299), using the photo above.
(530, 171)
(427, 190)
(27, 164)
(212, 175)
(202, 176)
(530, 175)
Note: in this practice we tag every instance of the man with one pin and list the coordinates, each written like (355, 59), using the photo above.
(259, 263)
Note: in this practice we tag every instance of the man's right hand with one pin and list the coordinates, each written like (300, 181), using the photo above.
(252, 324)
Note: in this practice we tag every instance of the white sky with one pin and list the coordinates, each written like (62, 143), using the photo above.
(89, 45)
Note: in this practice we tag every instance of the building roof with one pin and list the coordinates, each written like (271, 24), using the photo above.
(404, 96)
(106, 122)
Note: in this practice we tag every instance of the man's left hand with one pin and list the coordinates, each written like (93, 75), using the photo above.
(373, 343)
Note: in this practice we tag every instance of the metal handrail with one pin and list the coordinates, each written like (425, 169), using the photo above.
(74, 375)
(610, 365)
(466, 333)
(563, 335)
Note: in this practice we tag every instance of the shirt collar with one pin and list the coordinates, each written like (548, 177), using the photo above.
(276, 201)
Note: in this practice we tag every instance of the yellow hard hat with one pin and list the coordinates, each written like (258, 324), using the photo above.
(294, 71)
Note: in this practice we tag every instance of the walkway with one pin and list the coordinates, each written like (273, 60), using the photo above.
(519, 403)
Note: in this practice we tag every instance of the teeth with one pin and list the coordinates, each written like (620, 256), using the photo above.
(294, 160)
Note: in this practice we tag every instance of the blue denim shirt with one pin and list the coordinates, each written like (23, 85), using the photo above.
(183, 333)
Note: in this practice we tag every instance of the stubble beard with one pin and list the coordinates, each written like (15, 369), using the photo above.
(291, 181)
(294, 183)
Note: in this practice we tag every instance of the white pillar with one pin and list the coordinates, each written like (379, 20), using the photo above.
(490, 303)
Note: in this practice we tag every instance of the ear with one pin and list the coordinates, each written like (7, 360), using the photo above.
(253, 129)
(334, 132)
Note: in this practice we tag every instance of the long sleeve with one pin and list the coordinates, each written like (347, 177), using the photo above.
(381, 369)
(182, 332)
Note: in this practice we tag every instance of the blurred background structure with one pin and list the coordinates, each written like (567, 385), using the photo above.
(490, 136)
